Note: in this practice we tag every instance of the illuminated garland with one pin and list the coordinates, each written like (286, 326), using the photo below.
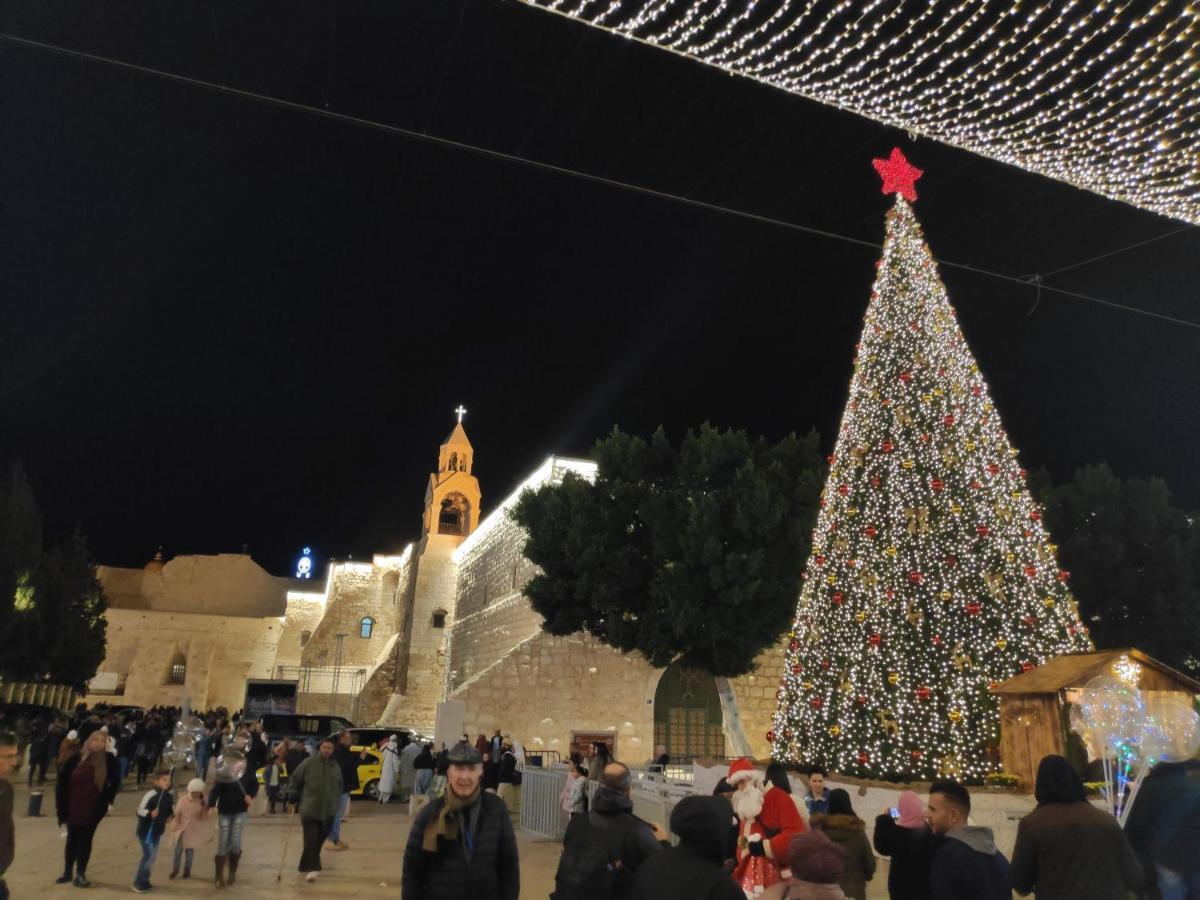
(932, 577)
(1102, 95)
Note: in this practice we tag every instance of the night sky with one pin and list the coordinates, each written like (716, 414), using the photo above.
(223, 322)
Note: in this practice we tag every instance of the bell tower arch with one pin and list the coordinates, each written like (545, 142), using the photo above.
(452, 496)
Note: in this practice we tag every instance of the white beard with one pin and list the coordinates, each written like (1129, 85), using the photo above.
(748, 802)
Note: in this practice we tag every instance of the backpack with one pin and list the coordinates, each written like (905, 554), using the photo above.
(590, 867)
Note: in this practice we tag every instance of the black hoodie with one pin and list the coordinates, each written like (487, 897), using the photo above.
(694, 869)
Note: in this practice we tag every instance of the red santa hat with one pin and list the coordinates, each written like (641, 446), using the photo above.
(740, 770)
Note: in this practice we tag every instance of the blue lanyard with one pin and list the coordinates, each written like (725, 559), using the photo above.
(468, 837)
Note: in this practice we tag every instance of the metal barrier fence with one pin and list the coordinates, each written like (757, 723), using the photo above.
(654, 798)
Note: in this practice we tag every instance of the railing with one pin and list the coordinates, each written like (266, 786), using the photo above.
(653, 797)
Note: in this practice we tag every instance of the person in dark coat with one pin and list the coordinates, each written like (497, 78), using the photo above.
(909, 842)
(966, 862)
(627, 842)
(461, 845)
(849, 832)
(1066, 848)
(725, 791)
(87, 785)
(1164, 829)
(695, 868)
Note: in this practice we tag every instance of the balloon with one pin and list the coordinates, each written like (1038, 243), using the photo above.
(178, 755)
(1171, 731)
(231, 764)
(1112, 710)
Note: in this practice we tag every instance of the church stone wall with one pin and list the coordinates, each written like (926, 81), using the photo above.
(355, 592)
(219, 652)
(304, 612)
(227, 584)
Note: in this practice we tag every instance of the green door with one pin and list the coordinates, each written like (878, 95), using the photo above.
(687, 715)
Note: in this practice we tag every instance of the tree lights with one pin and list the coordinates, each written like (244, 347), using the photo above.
(1103, 95)
(931, 578)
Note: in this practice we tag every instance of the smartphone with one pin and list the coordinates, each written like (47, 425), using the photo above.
(894, 812)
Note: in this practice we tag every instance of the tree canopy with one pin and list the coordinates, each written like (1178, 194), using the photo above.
(52, 607)
(1134, 560)
(691, 551)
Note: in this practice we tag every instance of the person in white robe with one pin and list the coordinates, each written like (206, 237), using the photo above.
(390, 768)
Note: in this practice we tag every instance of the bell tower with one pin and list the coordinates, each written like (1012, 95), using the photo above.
(452, 496)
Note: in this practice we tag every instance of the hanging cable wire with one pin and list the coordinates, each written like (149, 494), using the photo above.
(555, 169)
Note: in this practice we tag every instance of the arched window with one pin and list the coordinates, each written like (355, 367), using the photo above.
(305, 637)
(439, 618)
(454, 515)
(365, 627)
(453, 464)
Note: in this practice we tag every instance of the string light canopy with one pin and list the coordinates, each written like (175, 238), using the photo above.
(932, 576)
(1102, 95)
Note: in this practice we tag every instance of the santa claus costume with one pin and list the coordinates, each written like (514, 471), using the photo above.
(767, 822)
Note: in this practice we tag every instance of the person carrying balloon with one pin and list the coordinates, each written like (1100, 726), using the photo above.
(152, 813)
(232, 795)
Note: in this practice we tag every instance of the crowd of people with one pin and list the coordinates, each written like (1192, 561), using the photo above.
(775, 835)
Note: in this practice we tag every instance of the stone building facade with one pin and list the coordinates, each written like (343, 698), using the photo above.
(444, 625)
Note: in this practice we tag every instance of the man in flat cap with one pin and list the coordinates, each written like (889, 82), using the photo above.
(462, 846)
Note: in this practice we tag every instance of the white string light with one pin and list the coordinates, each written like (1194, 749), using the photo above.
(1104, 96)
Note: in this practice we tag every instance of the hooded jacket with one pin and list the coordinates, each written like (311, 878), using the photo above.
(966, 863)
(850, 833)
(694, 869)
(911, 852)
(1068, 849)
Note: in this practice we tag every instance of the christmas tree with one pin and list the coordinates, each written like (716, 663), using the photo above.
(932, 576)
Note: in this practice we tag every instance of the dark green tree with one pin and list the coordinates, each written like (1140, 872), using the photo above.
(20, 551)
(689, 552)
(1134, 560)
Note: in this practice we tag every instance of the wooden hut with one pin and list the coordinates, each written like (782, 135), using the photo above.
(1033, 705)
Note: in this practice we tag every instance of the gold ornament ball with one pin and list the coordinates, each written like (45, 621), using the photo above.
(1001, 643)
(860, 617)
(1048, 603)
(954, 715)
(894, 678)
(835, 730)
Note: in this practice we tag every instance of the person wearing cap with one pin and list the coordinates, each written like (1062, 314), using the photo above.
(461, 845)
(696, 867)
(816, 865)
(318, 783)
(189, 828)
(768, 820)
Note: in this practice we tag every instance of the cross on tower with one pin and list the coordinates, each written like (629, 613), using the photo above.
(461, 411)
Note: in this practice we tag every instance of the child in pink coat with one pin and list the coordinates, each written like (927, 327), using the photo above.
(189, 828)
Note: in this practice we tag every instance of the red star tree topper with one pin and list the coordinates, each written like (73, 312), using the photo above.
(932, 575)
(898, 174)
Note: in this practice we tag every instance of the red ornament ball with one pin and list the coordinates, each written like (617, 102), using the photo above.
(977, 391)
(915, 577)
(770, 737)
(831, 458)
(863, 759)
(993, 469)
(948, 419)
(816, 702)
(887, 446)
(937, 484)
(1064, 576)
(923, 692)
(875, 482)
(951, 561)
(982, 530)
(917, 754)
(937, 640)
(870, 531)
(819, 559)
(906, 377)
(1035, 515)
(1027, 667)
(976, 484)
(797, 669)
(875, 640)
(843, 489)
(838, 598)
(860, 700)
(974, 608)
(1030, 571)
(825, 664)
(793, 644)
(1029, 622)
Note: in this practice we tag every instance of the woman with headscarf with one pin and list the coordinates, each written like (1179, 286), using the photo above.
(1066, 848)
(906, 838)
(849, 832)
(68, 748)
(423, 764)
(390, 769)
(87, 785)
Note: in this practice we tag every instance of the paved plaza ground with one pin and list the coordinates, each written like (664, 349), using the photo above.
(371, 867)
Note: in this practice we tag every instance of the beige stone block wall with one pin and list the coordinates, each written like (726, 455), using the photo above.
(220, 653)
(356, 591)
(227, 584)
(304, 613)
(548, 687)
(755, 696)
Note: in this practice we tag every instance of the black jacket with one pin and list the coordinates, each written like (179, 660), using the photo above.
(1073, 851)
(966, 864)
(493, 873)
(152, 800)
(694, 870)
(508, 765)
(229, 797)
(424, 759)
(612, 813)
(1164, 824)
(911, 851)
(62, 787)
(348, 761)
